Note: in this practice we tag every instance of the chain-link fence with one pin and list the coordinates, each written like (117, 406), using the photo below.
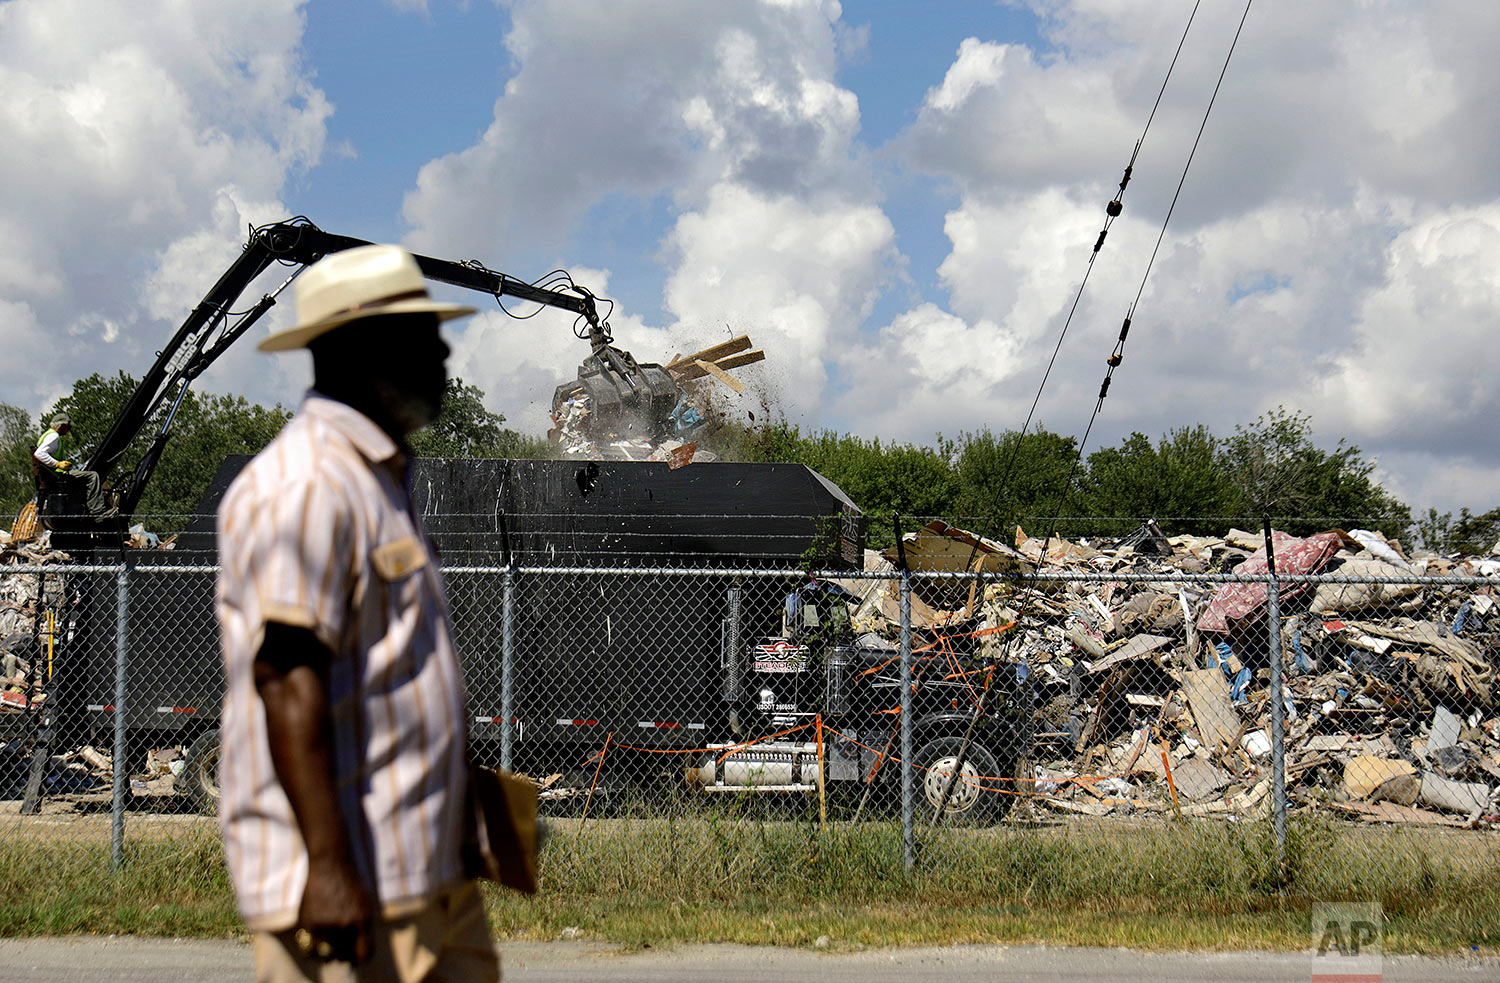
(1083, 695)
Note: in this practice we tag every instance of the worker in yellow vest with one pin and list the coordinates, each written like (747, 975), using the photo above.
(50, 468)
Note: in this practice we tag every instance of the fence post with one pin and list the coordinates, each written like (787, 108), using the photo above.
(507, 666)
(908, 845)
(1278, 710)
(731, 659)
(121, 771)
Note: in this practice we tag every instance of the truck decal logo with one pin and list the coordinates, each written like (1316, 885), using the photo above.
(780, 656)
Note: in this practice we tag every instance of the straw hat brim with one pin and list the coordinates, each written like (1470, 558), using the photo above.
(299, 336)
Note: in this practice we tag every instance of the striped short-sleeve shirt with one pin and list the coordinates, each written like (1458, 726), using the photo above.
(318, 532)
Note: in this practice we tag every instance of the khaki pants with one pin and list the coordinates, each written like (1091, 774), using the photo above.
(446, 942)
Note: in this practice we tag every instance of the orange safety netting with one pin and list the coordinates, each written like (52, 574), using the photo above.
(728, 750)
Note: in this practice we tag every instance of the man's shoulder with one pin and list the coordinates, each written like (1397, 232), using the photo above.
(294, 459)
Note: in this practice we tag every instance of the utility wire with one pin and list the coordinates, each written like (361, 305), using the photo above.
(1118, 354)
(1113, 361)
(1111, 212)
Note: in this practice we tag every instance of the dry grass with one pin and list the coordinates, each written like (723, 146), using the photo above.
(770, 878)
(1159, 886)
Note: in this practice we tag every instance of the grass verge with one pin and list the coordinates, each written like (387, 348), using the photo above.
(654, 882)
(176, 887)
(1196, 885)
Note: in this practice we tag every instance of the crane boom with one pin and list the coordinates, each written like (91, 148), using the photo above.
(213, 326)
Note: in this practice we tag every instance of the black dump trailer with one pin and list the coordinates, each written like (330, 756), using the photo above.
(603, 652)
(623, 616)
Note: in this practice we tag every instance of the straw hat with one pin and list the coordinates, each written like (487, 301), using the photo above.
(365, 281)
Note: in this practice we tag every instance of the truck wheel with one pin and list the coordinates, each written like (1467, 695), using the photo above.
(975, 798)
(200, 772)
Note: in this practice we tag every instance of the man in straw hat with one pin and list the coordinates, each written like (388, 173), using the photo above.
(344, 776)
(46, 462)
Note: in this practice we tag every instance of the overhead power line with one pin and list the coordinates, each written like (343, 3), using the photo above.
(1111, 212)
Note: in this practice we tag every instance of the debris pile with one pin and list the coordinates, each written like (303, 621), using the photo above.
(28, 632)
(1155, 695)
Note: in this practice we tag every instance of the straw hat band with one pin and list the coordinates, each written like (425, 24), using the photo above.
(380, 302)
(358, 283)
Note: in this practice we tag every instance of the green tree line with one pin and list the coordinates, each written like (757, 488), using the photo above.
(1189, 479)
(207, 429)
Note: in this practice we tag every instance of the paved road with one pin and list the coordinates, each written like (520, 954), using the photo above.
(131, 960)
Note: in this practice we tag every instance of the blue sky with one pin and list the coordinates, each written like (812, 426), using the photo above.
(408, 85)
(895, 200)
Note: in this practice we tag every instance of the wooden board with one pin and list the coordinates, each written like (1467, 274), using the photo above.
(24, 529)
(688, 370)
(714, 352)
(744, 358)
(1207, 693)
(1136, 648)
(1366, 775)
(722, 376)
(1197, 780)
(1390, 812)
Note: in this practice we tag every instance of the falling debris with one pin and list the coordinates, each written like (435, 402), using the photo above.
(716, 360)
(581, 431)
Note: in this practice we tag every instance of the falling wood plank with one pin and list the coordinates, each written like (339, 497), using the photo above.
(1207, 694)
(687, 371)
(744, 358)
(722, 376)
(714, 353)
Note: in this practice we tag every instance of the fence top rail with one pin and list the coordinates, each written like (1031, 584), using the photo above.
(996, 577)
(1167, 577)
(32, 569)
(1041, 578)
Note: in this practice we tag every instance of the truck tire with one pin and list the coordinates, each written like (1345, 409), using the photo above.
(200, 772)
(974, 801)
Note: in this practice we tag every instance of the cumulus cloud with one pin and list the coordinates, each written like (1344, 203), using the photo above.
(643, 98)
(25, 346)
(797, 278)
(1339, 211)
(135, 142)
(1332, 251)
(731, 112)
(1414, 373)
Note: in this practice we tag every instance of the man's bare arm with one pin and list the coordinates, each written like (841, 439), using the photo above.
(291, 676)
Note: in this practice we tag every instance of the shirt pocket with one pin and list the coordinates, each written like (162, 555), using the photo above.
(406, 604)
(399, 559)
